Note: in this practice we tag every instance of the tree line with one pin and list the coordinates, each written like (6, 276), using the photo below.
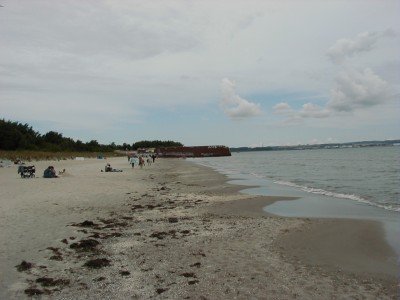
(155, 144)
(18, 136)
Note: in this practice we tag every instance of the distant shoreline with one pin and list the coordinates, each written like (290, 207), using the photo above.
(363, 144)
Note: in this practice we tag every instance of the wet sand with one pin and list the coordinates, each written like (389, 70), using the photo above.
(175, 230)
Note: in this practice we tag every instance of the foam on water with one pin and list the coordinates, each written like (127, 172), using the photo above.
(364, 175)
(342, 183)
(337, 195)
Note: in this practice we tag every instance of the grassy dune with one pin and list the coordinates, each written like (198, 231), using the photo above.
(26, 155)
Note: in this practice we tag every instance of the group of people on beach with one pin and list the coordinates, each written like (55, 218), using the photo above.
(141, 160)
(134, 160)
(50, 172)
(29, 171)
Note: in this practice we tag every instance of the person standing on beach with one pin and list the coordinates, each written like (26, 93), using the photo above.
(141, 162)
(132, 161)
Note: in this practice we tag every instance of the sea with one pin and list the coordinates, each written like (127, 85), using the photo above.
(358, 183)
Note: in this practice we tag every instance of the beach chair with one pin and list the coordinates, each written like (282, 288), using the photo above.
(27, 171)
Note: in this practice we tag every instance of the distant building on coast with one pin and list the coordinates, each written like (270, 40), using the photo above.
(146, 150)
(196, 151)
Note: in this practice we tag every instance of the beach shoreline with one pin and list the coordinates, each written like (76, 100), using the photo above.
(177, 229)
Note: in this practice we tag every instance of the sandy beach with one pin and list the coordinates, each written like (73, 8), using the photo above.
(175, 230)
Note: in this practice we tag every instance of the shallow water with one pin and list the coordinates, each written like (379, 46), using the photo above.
(367, 175)
(356, 183)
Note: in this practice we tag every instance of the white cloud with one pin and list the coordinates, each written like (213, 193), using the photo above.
(235, 106)
(363, 42)
(354, 90)
(282, 108)
(310, 110)
(358, 89)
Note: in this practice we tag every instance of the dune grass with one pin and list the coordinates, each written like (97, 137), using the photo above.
(27, 155)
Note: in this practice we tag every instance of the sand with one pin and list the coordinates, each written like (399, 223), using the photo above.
(175, 230)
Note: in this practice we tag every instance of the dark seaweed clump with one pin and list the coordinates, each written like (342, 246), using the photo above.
(97, 263)
(47, 281)
(124, 273)
(85, 245)
(24, 266)
(86, 224)
(161, 290)
(33, 292)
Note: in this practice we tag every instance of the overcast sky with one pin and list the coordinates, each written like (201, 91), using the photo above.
(239, 73)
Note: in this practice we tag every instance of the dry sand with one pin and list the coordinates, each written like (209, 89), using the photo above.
(175, 230)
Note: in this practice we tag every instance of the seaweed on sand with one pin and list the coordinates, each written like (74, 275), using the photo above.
(85, 245)
(24, 266)
(97, 263)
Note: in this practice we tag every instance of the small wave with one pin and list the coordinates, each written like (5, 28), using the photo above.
(338, 195)
(256, 175)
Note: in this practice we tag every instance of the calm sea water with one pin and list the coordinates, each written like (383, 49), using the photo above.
(368, 175)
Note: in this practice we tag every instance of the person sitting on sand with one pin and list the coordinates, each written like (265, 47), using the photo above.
(50, 172)
(108, 168)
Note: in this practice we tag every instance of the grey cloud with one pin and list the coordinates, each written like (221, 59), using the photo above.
(355, 89)
(89, 49)
(390, 71)
(363, 42)
(85, 29)
(248, 20)
(66, 59)
(233, 105)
